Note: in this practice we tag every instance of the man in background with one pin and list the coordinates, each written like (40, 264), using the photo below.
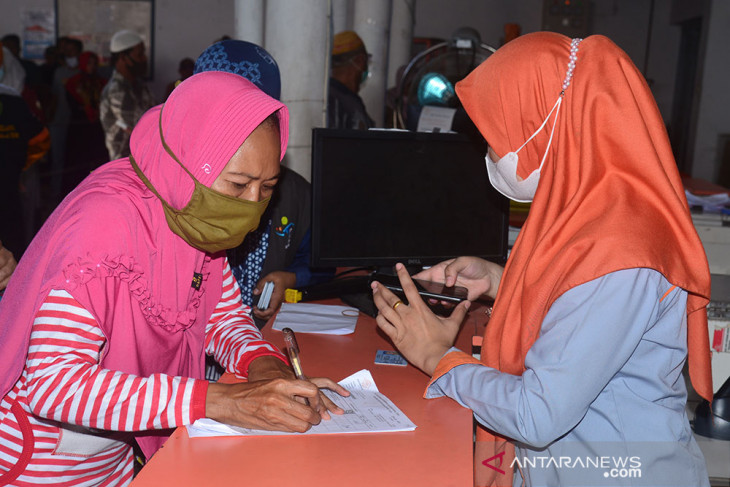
(345, 108)
(126, 97)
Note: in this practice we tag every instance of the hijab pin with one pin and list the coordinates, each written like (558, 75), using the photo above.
(571, 63)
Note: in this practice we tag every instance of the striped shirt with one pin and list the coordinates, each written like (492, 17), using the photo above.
(82, 415)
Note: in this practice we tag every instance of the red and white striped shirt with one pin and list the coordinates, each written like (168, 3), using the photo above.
(79, 412)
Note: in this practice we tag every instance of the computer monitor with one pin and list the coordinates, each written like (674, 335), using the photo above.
(381, 196)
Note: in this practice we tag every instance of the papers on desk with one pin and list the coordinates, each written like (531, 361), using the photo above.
(316, 318)
(713, 203)
(366, 411)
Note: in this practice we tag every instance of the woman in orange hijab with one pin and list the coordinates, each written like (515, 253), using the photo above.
(603, 297)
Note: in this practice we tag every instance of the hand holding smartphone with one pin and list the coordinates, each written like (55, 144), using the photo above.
(428, 290)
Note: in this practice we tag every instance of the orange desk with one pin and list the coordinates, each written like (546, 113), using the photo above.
(437, 453)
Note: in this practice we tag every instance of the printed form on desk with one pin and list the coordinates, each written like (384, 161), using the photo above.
(366, 411)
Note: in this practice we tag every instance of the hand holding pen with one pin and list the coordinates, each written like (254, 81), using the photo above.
(272, 398)
(292, 348)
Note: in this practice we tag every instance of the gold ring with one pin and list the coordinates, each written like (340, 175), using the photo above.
(397, 303)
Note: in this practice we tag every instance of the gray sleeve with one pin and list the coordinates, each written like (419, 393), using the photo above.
(587, 336)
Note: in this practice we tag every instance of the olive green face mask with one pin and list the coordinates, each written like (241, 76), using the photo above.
(211, 221)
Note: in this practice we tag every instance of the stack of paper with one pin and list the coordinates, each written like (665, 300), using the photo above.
(316, 318)
(713, 203)
(366, 411)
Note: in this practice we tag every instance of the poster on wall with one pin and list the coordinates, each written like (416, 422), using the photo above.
(95, 21)
(39, 32)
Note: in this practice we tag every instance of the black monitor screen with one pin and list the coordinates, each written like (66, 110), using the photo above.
(381, 197)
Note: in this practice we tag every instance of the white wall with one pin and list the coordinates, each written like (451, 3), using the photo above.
(437, 18)
(184, 28)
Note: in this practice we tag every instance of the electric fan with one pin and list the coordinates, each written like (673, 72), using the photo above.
(429, 78)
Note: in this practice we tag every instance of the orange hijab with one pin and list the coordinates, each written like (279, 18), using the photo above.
(609, 198)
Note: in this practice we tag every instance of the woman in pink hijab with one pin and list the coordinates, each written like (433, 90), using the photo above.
(107, 319)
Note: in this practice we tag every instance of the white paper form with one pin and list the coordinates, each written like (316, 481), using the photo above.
(316, 318)
(366, 411)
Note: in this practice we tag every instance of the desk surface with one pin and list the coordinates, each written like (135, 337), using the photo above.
(437, 453)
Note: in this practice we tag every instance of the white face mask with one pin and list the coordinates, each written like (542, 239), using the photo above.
(503, 173)
(72, 62)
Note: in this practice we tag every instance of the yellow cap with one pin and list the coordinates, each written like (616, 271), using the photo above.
(292, 296)
(347, 41)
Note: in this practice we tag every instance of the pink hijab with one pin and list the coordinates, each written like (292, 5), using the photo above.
(108, 243)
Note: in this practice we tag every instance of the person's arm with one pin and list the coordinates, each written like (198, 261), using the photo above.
(65, 382)
(233, 339)
(586, 337)
(236, 343)
(38, 146)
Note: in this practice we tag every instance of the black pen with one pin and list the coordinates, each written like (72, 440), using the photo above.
(292, 349)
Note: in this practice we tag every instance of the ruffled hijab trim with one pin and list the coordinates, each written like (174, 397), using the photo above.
(124, 269)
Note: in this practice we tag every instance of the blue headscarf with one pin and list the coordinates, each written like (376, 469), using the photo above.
(245, 59)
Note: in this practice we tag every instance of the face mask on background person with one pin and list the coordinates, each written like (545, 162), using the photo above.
(137, 68)
(72, 62)
(364, 77)
(503, 173)
(364, 73)
(211, 221)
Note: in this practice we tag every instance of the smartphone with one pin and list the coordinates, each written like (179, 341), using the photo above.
(427, 289)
